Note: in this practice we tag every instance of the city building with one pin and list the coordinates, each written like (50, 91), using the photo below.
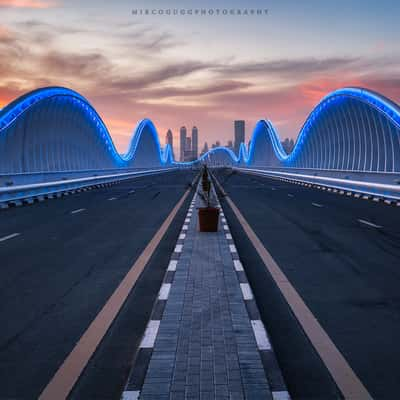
(239, 128)
(169, 138)
(195, 142)
(182, 142)
(205, 149)
(288, 145)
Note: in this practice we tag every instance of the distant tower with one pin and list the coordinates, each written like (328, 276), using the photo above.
(195, 142)
(169, 138)
(239, 134)
(188, 144)
(182, 142)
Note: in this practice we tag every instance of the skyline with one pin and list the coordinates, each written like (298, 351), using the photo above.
(174, 71)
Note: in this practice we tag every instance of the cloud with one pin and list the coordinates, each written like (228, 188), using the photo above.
(217, 87)
(296, 68)
(28, 3)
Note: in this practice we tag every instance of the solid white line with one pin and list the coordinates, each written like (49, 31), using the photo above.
(178, 248)
(226, 228)
(112, 198)
(363, 221)
(317, 205)
(13, 235)
(133, 395)
(261, 335)
(182, 236)
(184, 227)
(78, 210)
(246, 291)
(238, 265)
(228, 236)
(232, 248)
(281, 395)
(290, 195)
(164, 291)
(172, 265)
(150, 335)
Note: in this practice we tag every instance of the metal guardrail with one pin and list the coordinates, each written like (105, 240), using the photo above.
(383, 190)
(21, 192)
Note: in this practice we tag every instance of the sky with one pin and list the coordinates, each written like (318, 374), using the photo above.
(203, 70)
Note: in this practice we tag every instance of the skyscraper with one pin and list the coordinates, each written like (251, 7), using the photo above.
(239, 134)
(188, 144)
(195, 142)
(169, 138)
(182, 142)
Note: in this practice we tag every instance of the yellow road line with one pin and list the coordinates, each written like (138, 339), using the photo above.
(66, 376)
(344, 376)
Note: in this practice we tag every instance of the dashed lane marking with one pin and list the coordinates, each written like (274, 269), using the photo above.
(79, 210)
(363, 221)
(13, 235)
(317, 205)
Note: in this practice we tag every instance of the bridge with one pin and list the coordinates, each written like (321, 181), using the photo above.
(109, 290)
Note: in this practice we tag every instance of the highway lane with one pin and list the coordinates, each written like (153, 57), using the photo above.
(342, 256)
(56, 275)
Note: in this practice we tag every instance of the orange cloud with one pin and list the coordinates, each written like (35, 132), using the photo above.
(28, 3)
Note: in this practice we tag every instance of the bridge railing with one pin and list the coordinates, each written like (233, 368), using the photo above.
(20, 192)
(348, 183)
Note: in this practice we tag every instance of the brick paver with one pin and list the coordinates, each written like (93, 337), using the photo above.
(205, 346)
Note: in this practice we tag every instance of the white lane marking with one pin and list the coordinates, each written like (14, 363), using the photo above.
(246, 291)
(228, 236)
(317, 205)
(357, 195)
(13, 235)
(232, 248)
(290, 195)
(132, 395)
(261, 335)
(226, 228)
(238, 265)
(280, 395)
(187, 220)
(150, 335)
(189, 214)
(78, 210)
(184, 227)
(112, 198)
(164, 291)
(172, 265)
(273, 188)
(178, 248)
(132, 191)
(376, 199)
(363, 221)
(182, 236)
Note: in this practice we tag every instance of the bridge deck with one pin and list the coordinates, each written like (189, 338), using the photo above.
(208, 343)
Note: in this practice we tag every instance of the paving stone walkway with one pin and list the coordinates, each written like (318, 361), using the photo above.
(205, 345)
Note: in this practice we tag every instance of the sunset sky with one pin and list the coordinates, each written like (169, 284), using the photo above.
(199, 70)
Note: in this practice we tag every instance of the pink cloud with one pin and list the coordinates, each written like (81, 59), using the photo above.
(28, 3)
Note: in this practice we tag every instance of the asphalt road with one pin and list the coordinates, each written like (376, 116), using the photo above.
(57, 273)
(343, 257)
